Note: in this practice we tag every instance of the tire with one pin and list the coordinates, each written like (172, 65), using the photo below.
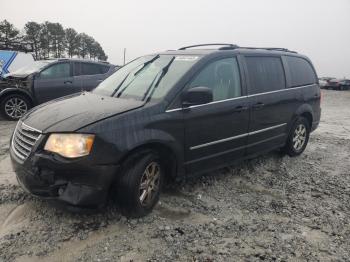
(14, 106)
(136, 184)
(298, 137)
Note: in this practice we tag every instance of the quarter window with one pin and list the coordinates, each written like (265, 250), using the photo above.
(222, 76)
(265, 74)
(301, 72)
(60, 70)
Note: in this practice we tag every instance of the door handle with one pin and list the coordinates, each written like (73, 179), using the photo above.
(258, 105)
(240, 108)
(67, 82)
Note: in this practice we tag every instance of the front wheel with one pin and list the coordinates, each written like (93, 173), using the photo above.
(298, 137)
(13, 107)
(138, 189)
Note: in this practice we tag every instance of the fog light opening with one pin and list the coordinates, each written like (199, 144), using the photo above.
(61, 190)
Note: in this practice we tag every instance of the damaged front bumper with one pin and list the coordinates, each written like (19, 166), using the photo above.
(74, 182)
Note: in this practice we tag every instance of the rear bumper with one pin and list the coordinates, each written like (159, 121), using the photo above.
(69, 182)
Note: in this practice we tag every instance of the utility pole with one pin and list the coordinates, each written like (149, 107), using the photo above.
(124, 56)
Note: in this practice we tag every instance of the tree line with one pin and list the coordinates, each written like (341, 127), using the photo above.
(52, 40)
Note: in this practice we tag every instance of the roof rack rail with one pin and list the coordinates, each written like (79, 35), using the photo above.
(225, 46)
(270, 49)
(233, 46)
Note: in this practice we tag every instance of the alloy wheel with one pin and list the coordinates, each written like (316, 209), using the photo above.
(15, 107)
(149, 184)
(299, 137)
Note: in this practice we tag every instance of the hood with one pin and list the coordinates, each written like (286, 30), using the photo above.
(14, 75)
(76, 111)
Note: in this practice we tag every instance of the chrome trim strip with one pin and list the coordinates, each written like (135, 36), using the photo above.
(20, 144)
(21, 137)
(236, 137)
(24, 133)
(219, 141)
(19, 152)
(266, 129)
(232, 150)
(281, 90)
(173, 110)
(220, 101)
(30, 128)
(211, 103)
(259, 94)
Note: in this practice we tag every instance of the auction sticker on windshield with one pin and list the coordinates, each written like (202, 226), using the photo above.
(186, 58)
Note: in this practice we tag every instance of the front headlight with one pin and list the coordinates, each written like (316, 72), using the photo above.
(70, 145)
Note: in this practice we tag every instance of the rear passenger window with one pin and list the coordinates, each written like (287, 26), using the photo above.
(265, 74)
(301, 72)
(222, 76)
(89, 69)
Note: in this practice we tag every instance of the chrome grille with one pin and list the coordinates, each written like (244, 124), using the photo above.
(24, 139)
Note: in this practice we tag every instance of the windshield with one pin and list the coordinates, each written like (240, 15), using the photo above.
(148, 77)
(31, 68)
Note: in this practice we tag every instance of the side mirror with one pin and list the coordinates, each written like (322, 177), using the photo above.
(197, 96)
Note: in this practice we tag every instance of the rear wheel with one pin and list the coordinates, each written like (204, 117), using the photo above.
(138, 189)
(298, 137)
(13, 107)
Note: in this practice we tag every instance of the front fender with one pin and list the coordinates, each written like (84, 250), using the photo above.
(156, 136)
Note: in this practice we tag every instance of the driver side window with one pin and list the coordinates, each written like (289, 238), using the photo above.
(60, 70)
(222, 76)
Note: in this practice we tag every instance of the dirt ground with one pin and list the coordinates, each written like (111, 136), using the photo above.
(271, 208)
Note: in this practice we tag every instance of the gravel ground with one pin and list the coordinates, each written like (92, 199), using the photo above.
(271, 208)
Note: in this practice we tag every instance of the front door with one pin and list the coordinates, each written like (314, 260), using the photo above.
(53, 82)
(216, 133)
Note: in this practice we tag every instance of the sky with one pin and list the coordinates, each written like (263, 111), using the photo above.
(319, 29)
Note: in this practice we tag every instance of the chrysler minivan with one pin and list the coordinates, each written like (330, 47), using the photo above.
(161, 116)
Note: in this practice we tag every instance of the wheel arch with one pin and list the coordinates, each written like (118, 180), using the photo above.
(166, 152)
(306, 111)
(15, 91)
(309, 117)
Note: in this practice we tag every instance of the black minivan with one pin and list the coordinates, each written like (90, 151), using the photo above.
(165, 115)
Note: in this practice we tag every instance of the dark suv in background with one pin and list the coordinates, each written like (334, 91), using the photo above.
(46, 80)
(338, 84)
(165, 115)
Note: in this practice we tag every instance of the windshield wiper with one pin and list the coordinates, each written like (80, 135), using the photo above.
(163, 72)
(146, 63)
(135, 74)
(121, 83)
